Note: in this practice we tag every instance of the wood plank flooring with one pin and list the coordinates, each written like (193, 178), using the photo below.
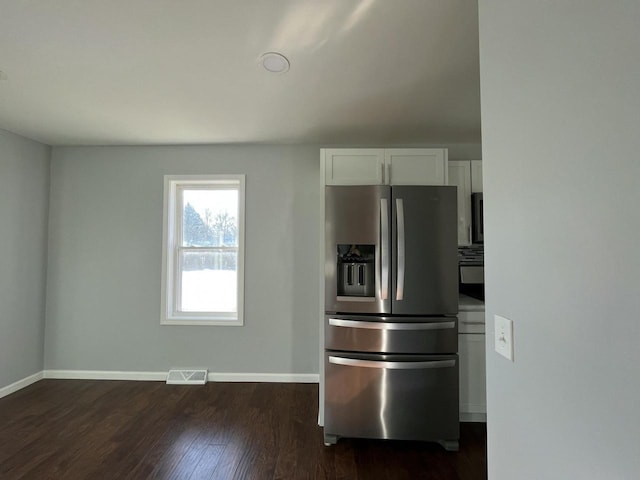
(78, 429)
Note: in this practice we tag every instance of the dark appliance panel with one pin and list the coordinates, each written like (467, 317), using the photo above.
(477, 218)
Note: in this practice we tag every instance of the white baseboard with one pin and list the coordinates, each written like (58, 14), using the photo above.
(104, 375)
(162, 376)
(156, 376)
(265, 377)
(20, 384)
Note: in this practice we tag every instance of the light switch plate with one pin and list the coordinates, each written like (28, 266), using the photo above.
(504, 336)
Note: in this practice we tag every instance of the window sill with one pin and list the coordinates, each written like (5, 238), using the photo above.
(212, 322)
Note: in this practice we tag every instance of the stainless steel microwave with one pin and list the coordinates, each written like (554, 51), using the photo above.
(477, 218)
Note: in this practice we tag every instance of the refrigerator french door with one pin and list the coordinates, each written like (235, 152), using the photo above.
(391, 250)
(391, 365)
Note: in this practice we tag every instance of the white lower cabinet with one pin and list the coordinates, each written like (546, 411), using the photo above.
(473, 390)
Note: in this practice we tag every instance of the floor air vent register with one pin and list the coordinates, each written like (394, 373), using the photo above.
(187, 377)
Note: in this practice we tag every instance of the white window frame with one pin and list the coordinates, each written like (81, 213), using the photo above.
(172, 232)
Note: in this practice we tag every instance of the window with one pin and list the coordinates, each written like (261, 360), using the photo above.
(203, 250)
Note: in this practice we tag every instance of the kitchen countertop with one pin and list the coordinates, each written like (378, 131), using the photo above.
(470, 304)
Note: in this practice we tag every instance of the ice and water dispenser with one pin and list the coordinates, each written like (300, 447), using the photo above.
(356, 267)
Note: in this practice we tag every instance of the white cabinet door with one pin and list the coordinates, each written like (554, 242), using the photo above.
(354, 166)
(460, 176)
(473, 390)
(377, 166)
(416, 166)
(476, 176)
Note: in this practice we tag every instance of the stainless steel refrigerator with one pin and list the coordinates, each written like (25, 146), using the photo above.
(391, 299)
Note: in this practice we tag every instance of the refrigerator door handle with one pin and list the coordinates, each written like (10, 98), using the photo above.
(401, 248)
(352, 362)
(384, 249)
(339, 322)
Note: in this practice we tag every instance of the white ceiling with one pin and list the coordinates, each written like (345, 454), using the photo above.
(103, 72)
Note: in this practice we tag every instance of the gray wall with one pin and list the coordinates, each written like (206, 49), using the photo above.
(560, 117)
(105, 243)
(24, 203)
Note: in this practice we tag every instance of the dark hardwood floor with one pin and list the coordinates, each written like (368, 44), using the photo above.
(77, 429)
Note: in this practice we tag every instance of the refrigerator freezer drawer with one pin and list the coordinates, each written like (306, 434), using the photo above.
(397, 397)
(433, 335)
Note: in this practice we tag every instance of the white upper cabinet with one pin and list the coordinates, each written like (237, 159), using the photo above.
(476, 176)
(416, 166)
(460, 176)
(353, 166)
(467, 176)
(377, 166)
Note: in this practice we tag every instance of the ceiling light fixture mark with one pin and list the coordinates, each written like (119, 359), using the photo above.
(275, 62)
